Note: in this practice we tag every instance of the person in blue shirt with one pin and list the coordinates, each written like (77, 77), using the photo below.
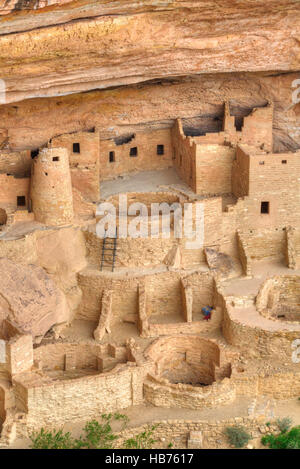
(207, 312)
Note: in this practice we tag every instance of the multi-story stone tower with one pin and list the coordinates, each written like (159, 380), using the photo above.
(51, 187)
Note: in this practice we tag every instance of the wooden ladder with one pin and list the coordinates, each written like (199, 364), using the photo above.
(109, 250)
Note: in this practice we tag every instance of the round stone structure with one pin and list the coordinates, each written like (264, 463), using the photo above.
(51, 187)
(279, 298)
(188, 373)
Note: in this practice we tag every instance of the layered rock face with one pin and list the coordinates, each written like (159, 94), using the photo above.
(187, 56)
(85, 45)
(8, 6)
(31, 123)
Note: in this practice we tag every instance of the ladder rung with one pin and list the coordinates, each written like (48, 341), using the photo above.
(108, 259)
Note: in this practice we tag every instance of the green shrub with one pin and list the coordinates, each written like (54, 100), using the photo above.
(237, 436)
(100, 435)
(285, 440)
(51, 439)
(284, 424)
(143, 440)
(97, 435)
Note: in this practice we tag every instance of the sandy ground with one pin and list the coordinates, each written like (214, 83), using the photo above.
(154, 181)
(144, 181)
(147, 414)
(261, 270)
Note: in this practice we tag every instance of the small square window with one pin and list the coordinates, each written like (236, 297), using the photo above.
(160, 150)
(133, 151)
(261, 162)
(76, 147)
(55, 158)
(283, 161)
(111, 156)
(21, 201)
(264, 207)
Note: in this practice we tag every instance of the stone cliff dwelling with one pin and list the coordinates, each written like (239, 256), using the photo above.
(134, 330)
(91, 325)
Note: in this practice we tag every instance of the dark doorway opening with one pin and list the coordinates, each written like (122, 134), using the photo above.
(76, 147)
(111, 156)
(21, 200)
(238, 122)
(265, 207)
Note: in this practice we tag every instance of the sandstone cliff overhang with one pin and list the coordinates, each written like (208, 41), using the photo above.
(86, 45)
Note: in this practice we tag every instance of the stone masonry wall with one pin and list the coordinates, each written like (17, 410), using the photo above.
(147, 157)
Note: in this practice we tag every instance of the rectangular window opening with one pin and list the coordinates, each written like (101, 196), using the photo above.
(133, 151)
(261, 162)
(111, 156)
(283, 161)
(55, 158)
(76, 147)
(21, 200)
(160, 149)
(265, 207)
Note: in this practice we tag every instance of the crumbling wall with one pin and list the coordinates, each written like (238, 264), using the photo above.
(257, 128)
(161, 394)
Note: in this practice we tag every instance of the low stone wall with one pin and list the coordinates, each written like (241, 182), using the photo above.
(162, 289)
(277, 385)
(146, 198)
(279, 297)
(179, 432)
(186, 368)
(53, 403)
(264, 342)
(83, 356)
(161, 393)
(139, 252)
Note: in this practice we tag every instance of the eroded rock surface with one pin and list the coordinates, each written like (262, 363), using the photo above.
(32, 123)
(85, 45)
(29, 298)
